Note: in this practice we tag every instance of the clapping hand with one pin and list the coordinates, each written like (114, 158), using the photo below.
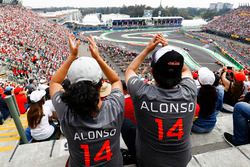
(93, 47)
(73, 45)
(158, 39)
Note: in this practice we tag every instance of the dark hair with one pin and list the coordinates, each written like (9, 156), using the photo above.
(217, 80)
(207, 98)
(124, 86)
(163, 80)
(35, 113)
(65, 84)
(47, 95)
(237, 90)
(30, 81)
(83, 98)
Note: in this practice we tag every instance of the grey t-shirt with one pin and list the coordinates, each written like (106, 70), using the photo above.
(164, 120)
(93, 141)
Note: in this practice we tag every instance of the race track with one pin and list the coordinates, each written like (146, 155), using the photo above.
(131, 38)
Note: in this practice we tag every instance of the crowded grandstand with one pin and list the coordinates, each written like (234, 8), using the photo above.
(86, 90)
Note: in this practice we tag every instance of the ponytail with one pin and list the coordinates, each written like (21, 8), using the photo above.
(35, 114)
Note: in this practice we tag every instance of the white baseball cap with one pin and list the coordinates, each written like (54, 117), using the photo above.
(206, 76)
(43, 81)
(42, 86)
(37, 95)
(85, 69)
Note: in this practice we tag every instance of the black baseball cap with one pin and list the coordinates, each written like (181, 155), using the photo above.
(167, 64)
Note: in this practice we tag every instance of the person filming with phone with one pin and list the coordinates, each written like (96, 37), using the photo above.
(233, 82)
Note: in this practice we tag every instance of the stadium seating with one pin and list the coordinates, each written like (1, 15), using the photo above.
(27, 41)
(234, 23)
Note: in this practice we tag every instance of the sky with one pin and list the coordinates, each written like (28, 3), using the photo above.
(119, 3)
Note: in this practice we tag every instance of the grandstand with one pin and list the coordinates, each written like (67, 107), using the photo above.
(234, 24)
(26, 38)
(146, 22)
(33, 47)
(127, 23)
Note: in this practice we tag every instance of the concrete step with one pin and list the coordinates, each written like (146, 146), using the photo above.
(193, 163)
(230, 157)
(33, 154)
(214, 140)
(55, 153)
(4, 158)
(245, 149)
(41, 154)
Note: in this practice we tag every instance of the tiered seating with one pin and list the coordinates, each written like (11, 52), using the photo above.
(232, 23)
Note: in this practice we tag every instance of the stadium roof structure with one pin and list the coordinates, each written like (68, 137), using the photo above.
(58, 13)
(148, 18)
(91, 19)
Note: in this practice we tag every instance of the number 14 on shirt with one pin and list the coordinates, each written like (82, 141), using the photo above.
(100, 155)
(175, 131)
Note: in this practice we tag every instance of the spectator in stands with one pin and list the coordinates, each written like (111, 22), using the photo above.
(3, 106)
(233, 88)
(21, 99)
(233, 24)
(241, 128)
(128, 106)
(128, 127)
(32, 86)
(30, 46)
(247, 84)
(207, 98)
(38, 118)
(220, 92)
(8, 91)
(48, 103)
(165, 111)
(105, 90)
(91, 126)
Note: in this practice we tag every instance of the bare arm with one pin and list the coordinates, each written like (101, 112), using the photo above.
(186, 72)
(111, 75)
(134, 65)
(59, 76)
(225, 81)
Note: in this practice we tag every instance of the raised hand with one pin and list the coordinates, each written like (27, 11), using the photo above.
(93, 47)
(164, 41)
(73, 45)
(158, 39)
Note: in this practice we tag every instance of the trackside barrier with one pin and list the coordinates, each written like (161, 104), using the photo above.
(10, 100)
(228, 56)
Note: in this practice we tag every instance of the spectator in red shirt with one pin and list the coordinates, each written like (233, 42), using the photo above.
(129, 107)
(21, 99)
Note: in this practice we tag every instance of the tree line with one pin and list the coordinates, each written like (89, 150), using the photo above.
(138, 11)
